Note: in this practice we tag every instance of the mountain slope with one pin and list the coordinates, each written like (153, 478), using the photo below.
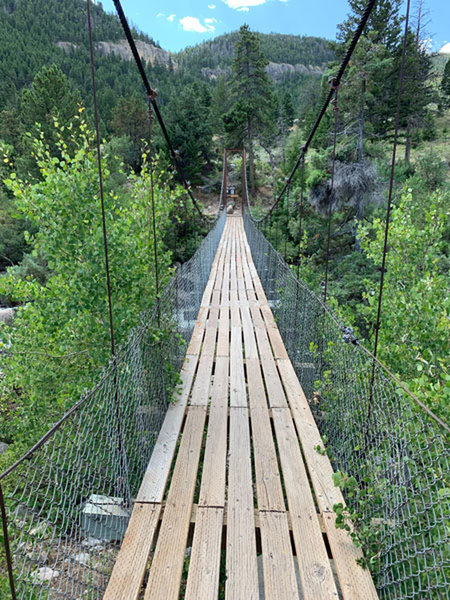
(34, 33)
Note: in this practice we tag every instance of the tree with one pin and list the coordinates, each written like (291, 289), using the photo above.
(130, 118)
(68, 315)
(287, 110)
(50, 99)
(417, 91)
(384, 22)
(190, 130)
(251, 90)
(50, 96)
(445, 84)
(414, 332)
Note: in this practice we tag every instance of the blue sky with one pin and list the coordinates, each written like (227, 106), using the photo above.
(176, 24)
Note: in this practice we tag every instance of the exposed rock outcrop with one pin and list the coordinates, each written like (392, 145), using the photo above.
(147, 52)
(276, 71)
(67, 46)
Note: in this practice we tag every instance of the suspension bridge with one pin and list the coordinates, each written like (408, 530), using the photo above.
(221, 485)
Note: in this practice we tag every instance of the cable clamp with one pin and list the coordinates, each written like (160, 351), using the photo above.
(348, 336)
(334, 86)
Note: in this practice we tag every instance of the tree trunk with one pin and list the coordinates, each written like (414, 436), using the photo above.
(251, 162)
(408, 143)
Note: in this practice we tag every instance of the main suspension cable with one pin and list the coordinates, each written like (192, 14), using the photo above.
(335, 83)
(151, 94)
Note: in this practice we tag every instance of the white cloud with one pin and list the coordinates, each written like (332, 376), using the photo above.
(212, 6)
(193, 24)
(243, 9)
(284, 0)
(243, 4)
(211, 20)
(445, 49)
(171, 17)
(160, 15)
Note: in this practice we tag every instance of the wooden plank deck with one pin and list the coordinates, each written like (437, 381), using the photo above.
(236, 501)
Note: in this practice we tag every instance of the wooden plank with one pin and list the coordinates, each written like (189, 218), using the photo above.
(241, 564)
(212, 490)
(196, 340)
(131, 563)
(275, 392)
(280, 582)
(251, 350)
(238, 396)
(157, 472)
(223, 335)
(167, 564)
(256, 391)
(268, 481)
(204, 567)
(314, 567)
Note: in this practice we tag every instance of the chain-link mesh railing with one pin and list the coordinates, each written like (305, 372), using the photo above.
(394, 456)
(68, 503)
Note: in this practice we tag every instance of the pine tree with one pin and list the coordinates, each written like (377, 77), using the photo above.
(288, 112)
(251, 90)
(445, 84)
(384, 23)
(189, 127)
(417, 91)
(130, 118)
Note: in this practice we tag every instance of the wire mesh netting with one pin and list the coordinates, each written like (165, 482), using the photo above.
(393, 456)
(68, 504)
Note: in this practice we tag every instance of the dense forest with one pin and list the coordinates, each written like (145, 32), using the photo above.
(51, 260)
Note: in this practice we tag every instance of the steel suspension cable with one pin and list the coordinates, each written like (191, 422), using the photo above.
(300, 216)
(151, 94)
(388, 215)
(330, 206)
(152, 197)
(100, 180)
(334, 85)
(391, 179)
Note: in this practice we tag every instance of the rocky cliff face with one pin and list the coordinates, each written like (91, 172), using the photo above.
(147, 52)
(276, 71)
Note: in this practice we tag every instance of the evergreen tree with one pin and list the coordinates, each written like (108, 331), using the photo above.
(130, 118)
(220, 104)
(445, 84)
(384, 23)
(189, 127)
(288, 112)
(251, 90)
(417, 92)
(50, 100)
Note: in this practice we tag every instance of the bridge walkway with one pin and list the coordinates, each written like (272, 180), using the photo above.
(237, 502)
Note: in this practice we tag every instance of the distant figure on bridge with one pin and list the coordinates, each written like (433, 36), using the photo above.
(231, 191)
